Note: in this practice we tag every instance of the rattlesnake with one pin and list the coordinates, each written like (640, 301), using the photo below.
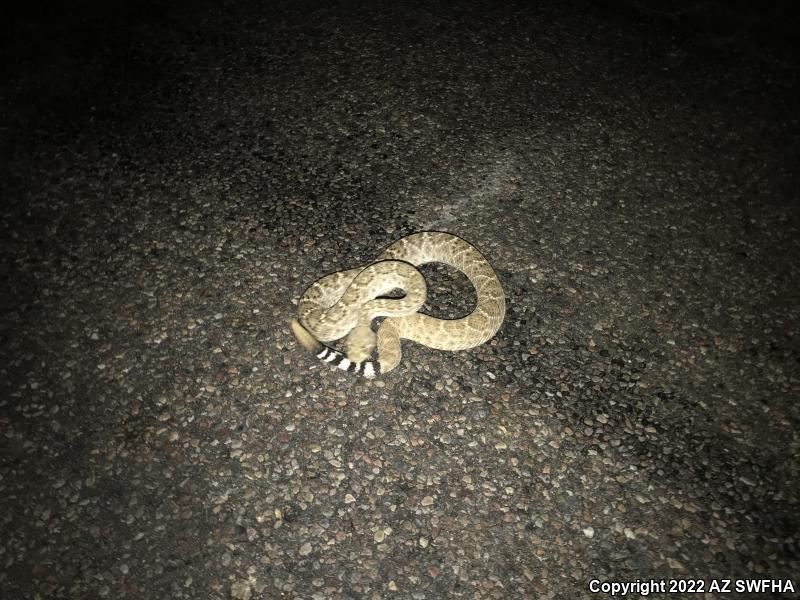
(345, 303)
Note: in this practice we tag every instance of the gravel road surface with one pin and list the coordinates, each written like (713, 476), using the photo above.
(174, 175)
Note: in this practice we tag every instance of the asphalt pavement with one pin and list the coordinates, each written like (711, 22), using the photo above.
(174, 175)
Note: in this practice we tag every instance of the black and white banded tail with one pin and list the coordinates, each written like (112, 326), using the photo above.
(369, 368)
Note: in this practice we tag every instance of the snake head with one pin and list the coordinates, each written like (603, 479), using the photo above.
(360, 343)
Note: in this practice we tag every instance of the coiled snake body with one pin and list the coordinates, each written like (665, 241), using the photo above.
(345, 303)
